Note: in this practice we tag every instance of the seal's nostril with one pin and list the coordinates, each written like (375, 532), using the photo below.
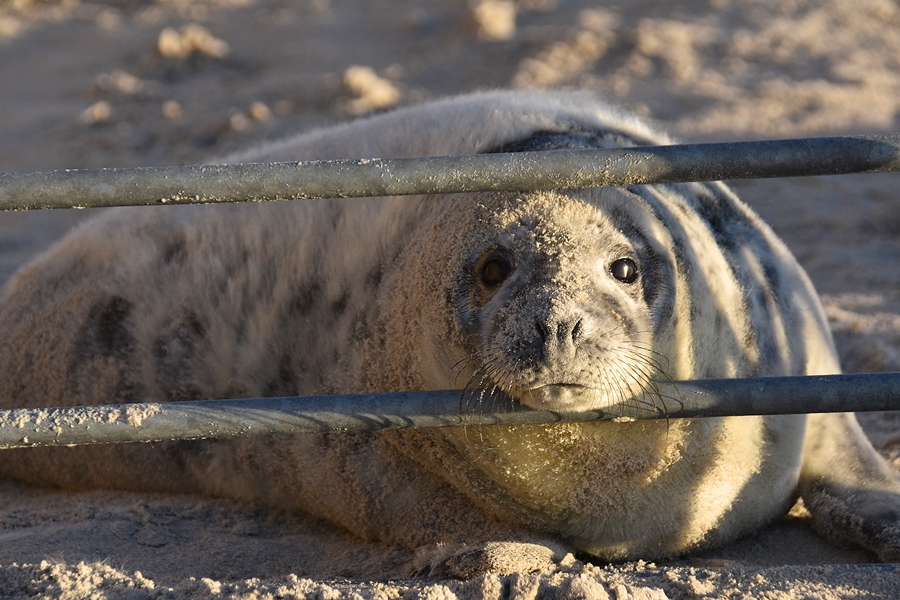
(578, 330)
(569, 331)
(542, 329)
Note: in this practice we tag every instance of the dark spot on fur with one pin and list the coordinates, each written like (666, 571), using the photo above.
(373, 279)
(192, 326)
(175, 251)
(726, 224)
(773, 277)
(174, 350)
(574, 137)
(101, 365)
(285, 382)
(340, 305)
(767, 302)
(306, 298)
(718, 224)
(105, 331)
(659, 294)
(680, 252)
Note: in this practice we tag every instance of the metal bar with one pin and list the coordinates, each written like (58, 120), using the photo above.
(358, 412)
(430, 175)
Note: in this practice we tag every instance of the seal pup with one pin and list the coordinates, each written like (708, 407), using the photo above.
(568, 300)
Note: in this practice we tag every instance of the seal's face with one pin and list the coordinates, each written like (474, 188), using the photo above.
(554, 302)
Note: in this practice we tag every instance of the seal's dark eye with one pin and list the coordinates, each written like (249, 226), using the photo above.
(624, 269)
(494, 271)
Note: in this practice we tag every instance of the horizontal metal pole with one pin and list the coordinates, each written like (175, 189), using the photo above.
(556, 169)
(357, 412)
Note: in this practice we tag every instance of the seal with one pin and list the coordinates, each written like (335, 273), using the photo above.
(561, 300)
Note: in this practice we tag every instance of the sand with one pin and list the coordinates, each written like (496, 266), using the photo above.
(121, 83)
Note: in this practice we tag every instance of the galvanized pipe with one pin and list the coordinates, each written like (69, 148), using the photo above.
(358, 412)
(431, 175)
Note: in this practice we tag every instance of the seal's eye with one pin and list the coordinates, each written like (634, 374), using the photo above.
(494, 270)
(624, 269)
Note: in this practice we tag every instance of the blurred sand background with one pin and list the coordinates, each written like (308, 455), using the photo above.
(121, 83)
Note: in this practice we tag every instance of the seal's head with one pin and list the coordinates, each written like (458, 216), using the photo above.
(553, 300)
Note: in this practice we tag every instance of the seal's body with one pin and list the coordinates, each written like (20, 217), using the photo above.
(564, 300)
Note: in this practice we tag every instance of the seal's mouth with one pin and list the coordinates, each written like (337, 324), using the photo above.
(561, 397)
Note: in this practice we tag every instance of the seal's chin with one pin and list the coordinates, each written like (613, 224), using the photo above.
(559, 397)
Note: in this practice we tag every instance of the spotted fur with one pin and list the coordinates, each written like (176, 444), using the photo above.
(565, 299)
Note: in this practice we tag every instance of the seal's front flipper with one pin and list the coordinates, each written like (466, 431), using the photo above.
(502, 558)
(852, 493)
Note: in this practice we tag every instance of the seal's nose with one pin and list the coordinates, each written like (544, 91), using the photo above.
(559, 335)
